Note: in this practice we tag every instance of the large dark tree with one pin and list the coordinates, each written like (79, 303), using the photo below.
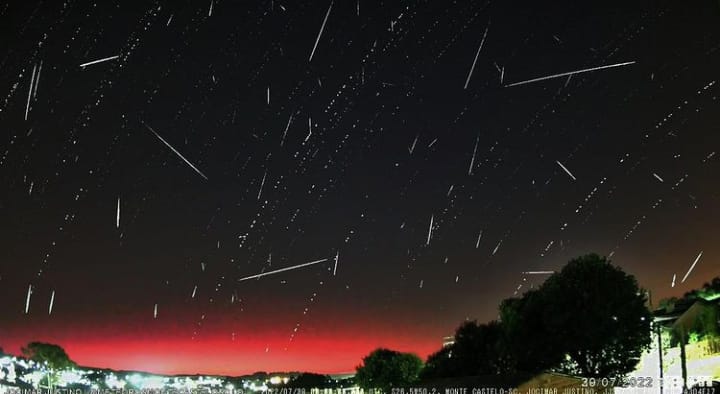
(589, 319)
(383, 369)
(52, 356)
(478, 349)
(597, 314)
(531, 346)
(440, 365)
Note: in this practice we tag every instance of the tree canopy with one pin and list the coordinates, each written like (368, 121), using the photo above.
(597, 314)
(709, 291)
(52, 355)
(531, 346)
(478, 349)
(589, 320)
(385, 368)
(440, 364)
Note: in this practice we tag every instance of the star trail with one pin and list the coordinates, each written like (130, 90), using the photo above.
(229, 187)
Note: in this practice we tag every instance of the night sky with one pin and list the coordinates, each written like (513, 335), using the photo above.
(219, 140)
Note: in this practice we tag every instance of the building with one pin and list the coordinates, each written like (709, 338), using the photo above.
(685, 348)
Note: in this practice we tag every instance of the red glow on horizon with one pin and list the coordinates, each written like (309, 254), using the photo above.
(339, 352)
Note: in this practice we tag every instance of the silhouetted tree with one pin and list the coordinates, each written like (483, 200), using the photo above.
(52, 356)
(531, 346)
(260, 375)
(589, 319)
(478, 349)
(308, 380)
(709, 290)
(440, 364)
(596, 314)
(383, 369)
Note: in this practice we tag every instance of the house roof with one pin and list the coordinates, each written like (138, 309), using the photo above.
(684, 313)
(687, 320)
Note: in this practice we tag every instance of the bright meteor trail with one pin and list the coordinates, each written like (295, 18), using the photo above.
(174, 150)
(100, 60)
(565, 74)
(282, 270)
